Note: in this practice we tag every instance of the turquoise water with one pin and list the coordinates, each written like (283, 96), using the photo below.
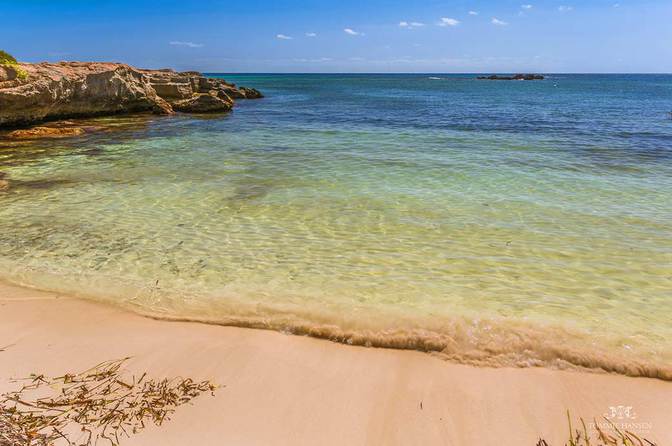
(495, 223)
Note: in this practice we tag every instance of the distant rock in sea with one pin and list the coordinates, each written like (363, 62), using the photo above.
(83, 89)
(515, 77)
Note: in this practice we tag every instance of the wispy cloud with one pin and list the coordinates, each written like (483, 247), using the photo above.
(311, 34)
(352, 32)
(447, 21)
(318, 60)
(473, 12)
(187, 44)
(283, 37)
(565, 8)
(526, 6)
(405, 24)
(496, 21)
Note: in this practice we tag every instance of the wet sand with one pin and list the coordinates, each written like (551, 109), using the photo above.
(281, 389)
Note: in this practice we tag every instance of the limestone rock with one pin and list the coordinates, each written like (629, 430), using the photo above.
(83, 89)
(203, 103)
(175, 86)
(47, 132)
(70, 89)
(251, 93)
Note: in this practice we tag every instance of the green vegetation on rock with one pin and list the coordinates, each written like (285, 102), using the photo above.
(8, 60)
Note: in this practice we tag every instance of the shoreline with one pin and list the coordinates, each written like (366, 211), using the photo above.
(282, 389)
(480, 342)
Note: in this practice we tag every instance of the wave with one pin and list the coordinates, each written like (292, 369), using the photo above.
(503, 342)
(511, 347)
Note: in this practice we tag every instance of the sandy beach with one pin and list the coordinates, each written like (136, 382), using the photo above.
(282, 389)
(335, 223)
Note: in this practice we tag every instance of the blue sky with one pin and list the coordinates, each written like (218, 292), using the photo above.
(347, 35)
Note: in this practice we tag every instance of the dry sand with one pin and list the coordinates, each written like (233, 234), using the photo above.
(290, 390)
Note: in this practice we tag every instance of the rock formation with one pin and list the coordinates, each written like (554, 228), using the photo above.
(80, 89)
(515, 77)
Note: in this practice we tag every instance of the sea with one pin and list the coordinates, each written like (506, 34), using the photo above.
(491, 223)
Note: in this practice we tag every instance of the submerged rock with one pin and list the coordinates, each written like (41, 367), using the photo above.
(515, 77)
(47, 132)
(82, 89)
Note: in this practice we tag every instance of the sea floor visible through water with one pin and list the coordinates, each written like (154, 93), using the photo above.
(495, 223)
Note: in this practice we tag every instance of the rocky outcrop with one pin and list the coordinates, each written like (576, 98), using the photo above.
(80, 89)
(76, 89)
(192, 92)
(203, 103)
(182, 89)
(515, 77)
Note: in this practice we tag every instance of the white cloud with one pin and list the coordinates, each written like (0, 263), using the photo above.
(283, 37)
(565, 8)
(405, 24)
(496, 21)
(311, 34)
(352, 32)
(526, 6)
(616, 5)
(187, 44)
(318, 60)
(447, 21)
(473, 12)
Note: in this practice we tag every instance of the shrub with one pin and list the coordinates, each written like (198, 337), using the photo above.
(8, 60)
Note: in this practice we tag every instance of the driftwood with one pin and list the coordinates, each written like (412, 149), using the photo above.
(97, 406)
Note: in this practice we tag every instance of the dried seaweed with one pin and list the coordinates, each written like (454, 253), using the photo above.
(97, 406)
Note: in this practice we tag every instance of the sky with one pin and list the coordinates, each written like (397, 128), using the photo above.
(428, 36)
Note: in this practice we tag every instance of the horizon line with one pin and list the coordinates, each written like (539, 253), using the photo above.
(442, 72)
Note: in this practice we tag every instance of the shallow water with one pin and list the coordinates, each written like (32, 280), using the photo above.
(500, 223)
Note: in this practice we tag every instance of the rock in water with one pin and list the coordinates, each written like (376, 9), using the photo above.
(76, 89)
(81, 89)
(203, 103)
(191, 92)
(251, 93)
(515, 77)
(4, 184)
(47, 132)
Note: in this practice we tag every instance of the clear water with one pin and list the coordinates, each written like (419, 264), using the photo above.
(498, 223)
